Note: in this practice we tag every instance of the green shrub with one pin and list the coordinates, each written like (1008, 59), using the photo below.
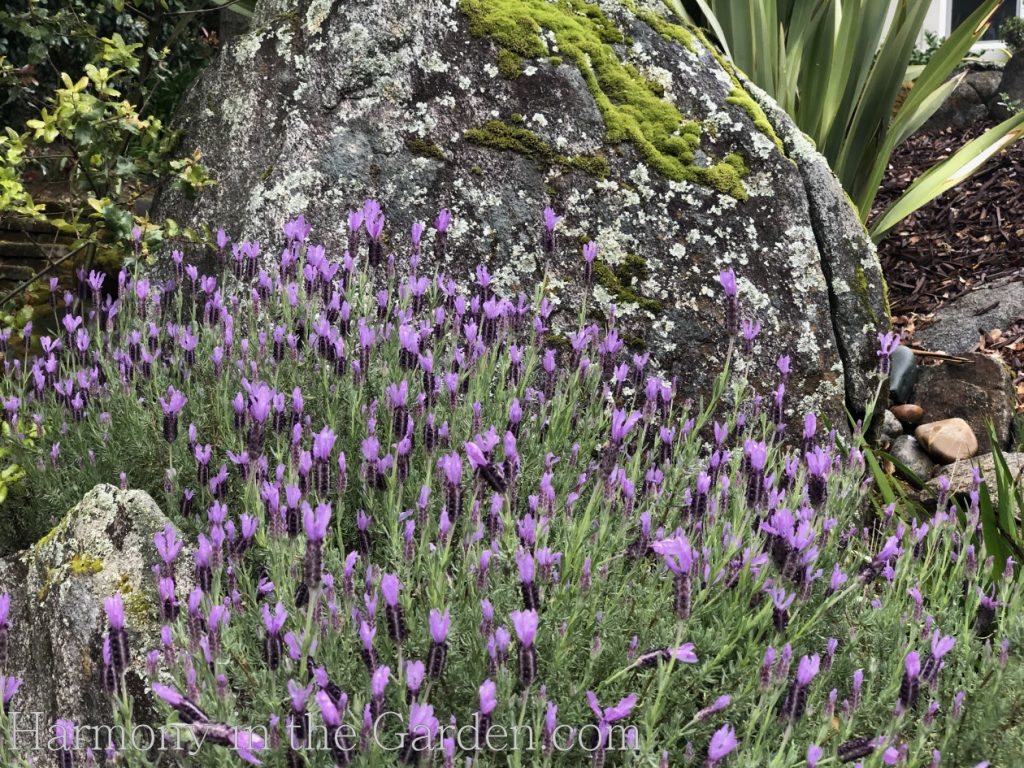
(1012, 33)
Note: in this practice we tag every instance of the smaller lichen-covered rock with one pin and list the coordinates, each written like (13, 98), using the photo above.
(103, 545)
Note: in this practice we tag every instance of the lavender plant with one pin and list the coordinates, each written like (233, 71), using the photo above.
(423, 527)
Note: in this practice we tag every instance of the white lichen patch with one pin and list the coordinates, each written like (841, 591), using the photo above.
(317, 14)
(287, 197)
(660, 76)
(539, 119)
(663, 327)
(434, 62)
(246, 47)
(760, 183)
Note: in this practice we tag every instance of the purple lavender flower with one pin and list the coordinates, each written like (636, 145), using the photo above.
(120, 657)
(314, 523)
(525, 624)
(750, 329)
(887, 342)
(188, 711)
(167, 546)
(423, 728)
(732, 302)
(796, 698)
(551, 220)
(605, 717)
(818, 465)
(439, 626)
(172, 407)
(909, 684)
(338, 741)
(723, 741)
(5, 610)
(941, 645)
(273, 623)
(64, 737)
(678, 556)
(389, 587)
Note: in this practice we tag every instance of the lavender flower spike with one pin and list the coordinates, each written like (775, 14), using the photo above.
(172, 407)
(732, 302)
(389, 586)
(314, 523)
(439, 626)
(723, 741)
(525, 624)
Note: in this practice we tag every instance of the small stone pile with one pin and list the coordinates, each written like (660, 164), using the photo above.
(942, 413)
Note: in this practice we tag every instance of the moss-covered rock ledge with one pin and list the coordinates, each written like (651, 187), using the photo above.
(626, 123)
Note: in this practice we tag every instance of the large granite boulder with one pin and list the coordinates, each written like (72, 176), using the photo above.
(630, 126)
(102, 546)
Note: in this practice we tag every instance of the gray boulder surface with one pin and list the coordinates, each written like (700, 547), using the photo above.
(968, 103)
(102, 546)
(961, 474)
(498, 108)
(1012, 84)
(956, 327)
(906, 450)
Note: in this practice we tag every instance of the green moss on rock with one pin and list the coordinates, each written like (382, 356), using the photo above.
(663, 27)
(631, 105)
(745, 101)
(739, 96)
(138, 608)
(86, 565)
(496, 134)
(634, 343)
(863, 291)
(510, 64)
(424, 148)
(621, 282)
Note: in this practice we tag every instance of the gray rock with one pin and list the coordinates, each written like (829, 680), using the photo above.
(906, 450)
(317, 108)
(891, 427)
(975, 392)
(902, 375)
(103, 545)
(848, 260)
(961, 474)
(1012, 84)
(965, 105)
(956, 327)
(986, 82)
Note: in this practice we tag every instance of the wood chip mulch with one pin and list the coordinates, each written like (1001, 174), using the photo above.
(970, 236)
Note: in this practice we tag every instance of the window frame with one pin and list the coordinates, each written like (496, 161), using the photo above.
(946, 12)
